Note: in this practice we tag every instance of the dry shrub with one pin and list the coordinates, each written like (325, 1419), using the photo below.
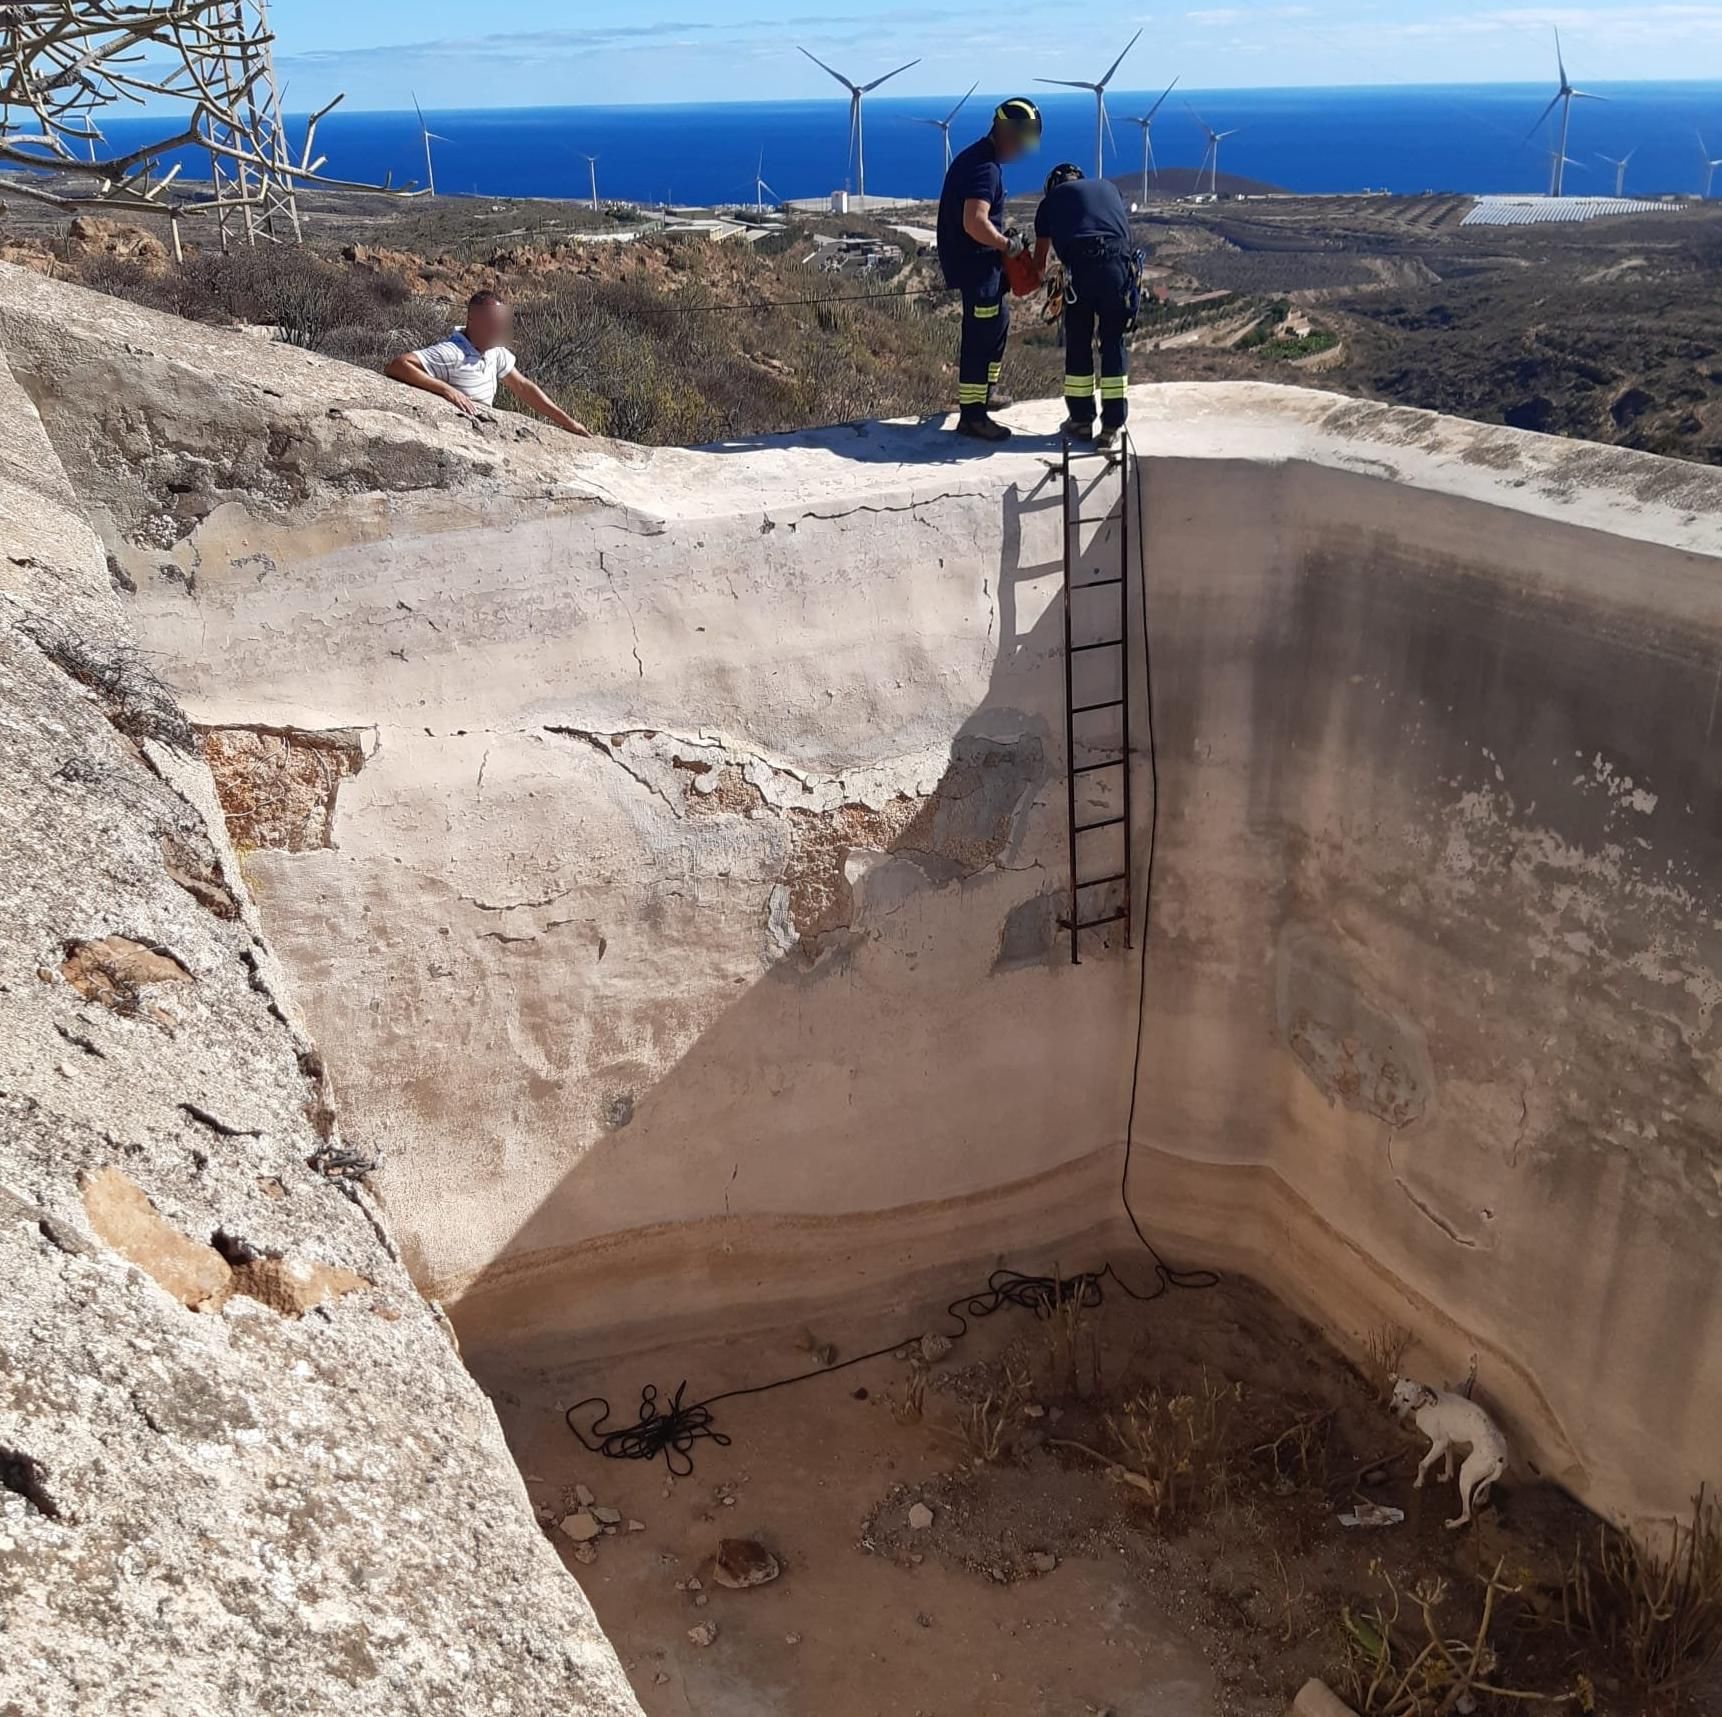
(1659, 1611)
(1399, 1661)
(1384, 1350)
(1074, 1369)
(1176, 1445)
(912, 1408)
(987, 1423)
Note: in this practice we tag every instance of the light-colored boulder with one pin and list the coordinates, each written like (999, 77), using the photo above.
(241, 1466)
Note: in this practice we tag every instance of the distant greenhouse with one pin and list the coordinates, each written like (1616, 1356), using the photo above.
(1550, 211)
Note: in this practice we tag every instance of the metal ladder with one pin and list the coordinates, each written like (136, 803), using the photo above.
(1097, 690)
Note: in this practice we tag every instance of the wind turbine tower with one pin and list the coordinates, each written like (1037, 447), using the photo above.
(592, 166)
(427, 136)
(857, 149)
(1146, 121)
(943, 126)
(1619, 165)
(1709, 167)
(1564, 97)
(1102, 124)
(1211, 156)
(760, 187)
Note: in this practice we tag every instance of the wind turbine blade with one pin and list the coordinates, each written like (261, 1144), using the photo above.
(1111, 136)
(419, 111)
(1543, 116)
(1560, 58)
(1068, 83)
(1120, 60)
(1162, 101)
(950, 118)
(1585, 95)
(826, 69)
(868, 88)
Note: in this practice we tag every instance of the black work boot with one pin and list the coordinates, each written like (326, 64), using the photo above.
(999, 400)
(1077, 429)
(982, 429)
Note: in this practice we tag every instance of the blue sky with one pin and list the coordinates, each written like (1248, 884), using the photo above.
(550, 52)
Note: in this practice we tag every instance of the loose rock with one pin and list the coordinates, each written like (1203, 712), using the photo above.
(744, 1562)
(704, 1634)
(920, 1517)
(581, 1527)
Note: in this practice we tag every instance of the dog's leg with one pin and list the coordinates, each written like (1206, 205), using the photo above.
(1475, 1477)
(1437, 1449)
(1447, 1466)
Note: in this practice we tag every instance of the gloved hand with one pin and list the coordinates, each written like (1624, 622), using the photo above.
(1018, 244)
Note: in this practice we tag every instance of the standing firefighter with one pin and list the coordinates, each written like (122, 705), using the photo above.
(973, 247)
(1085, 221)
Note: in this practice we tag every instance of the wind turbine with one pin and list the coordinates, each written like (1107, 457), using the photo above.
(1709, 166)
(1211, 155)
(857, 150)
(760, 187)
(1619, 167)
(1102, 124)
(592, 166)
(1564, 97)
(943, 126)
(1146, 121)
(428, 137)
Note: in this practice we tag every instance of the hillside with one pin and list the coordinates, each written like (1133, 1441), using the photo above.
(1607, 332)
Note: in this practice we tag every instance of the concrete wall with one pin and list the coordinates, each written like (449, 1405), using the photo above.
(667, 846)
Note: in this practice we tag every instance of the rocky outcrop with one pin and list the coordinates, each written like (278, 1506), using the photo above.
(242, 1468)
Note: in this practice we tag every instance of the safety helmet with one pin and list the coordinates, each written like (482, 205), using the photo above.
(1020, 115)
(1062, 174)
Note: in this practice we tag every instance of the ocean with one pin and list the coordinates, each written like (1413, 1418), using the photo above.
(1407, 139)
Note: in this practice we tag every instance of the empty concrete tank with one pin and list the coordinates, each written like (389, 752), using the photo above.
(674, 843)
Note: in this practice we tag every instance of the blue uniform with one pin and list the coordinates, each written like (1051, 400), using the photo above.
(1089, 227)
(977, 272)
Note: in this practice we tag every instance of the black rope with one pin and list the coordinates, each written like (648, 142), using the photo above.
(673, 1430)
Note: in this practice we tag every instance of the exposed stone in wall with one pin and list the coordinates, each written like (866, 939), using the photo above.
(278, 787)
(1353, 1047)
(958, 825)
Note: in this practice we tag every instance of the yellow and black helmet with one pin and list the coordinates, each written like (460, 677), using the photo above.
(1020, 115)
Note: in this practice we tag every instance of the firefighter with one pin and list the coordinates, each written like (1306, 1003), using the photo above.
(1086, 223)
(973, 246)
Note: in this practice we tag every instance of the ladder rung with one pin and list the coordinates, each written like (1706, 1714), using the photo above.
(1102, 881)
(1102, 644)
(1097, 584)
(1086, 708)
(1106, 823)
(1095, 923)
(1092, 768)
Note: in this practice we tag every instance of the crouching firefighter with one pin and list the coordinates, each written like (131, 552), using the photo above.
(973, 246)
(1086, 223)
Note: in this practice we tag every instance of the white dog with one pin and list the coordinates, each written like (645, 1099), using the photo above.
(1446, 1419)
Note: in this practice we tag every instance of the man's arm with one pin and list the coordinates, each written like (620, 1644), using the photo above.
(1042, 249)
(409, 368)
(978, 224)
(531, 395)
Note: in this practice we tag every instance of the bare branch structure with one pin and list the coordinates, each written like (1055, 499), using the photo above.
(208, 63)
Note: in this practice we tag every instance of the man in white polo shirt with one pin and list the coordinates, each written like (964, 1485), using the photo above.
(465, 368)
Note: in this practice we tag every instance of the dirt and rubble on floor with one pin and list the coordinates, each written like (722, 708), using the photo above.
(1125, 1508)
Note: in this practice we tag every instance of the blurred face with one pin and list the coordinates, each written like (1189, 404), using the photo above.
(489, 325)
(1010, 144)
